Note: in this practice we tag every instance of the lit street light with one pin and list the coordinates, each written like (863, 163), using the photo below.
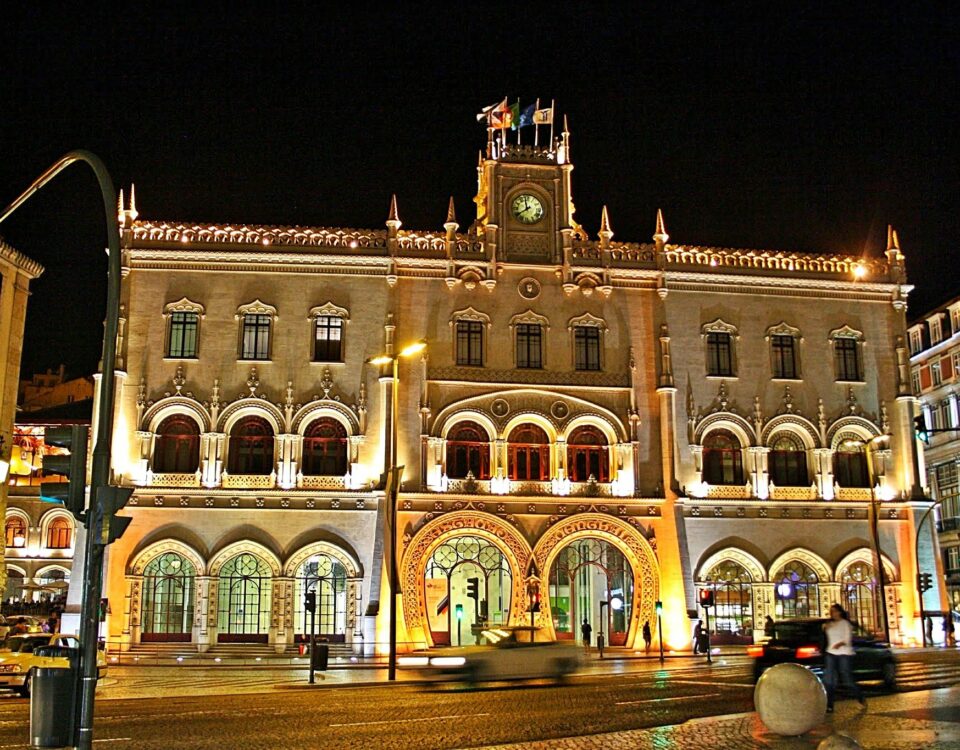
(394, 474)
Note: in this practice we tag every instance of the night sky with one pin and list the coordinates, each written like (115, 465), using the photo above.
(805, 131)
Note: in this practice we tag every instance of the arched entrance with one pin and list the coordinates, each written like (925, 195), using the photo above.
(635, 578)
(584, 574)
(168, 594)
(244, 600)
(483, 539)
(467, 583)
(326, 577)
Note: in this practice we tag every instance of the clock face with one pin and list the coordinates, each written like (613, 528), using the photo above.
(527, 209)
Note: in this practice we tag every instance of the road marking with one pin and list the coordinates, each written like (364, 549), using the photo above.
(106, 739)
(713, 683)
(401, 721)
(665, 700)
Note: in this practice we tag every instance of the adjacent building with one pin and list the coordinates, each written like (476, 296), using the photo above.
(934, 339)
(16, 273)
(595, 425)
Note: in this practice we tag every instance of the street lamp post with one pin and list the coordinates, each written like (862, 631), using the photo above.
(394, 474)
(100, 470)
(875, 536)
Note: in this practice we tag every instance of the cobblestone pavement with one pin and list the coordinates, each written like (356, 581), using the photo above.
(905, 721)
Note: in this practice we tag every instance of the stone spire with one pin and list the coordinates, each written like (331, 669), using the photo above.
(393, 220)
(660, 236)
(606, 233)
(893, 245)
(451, 217)
(133, 201)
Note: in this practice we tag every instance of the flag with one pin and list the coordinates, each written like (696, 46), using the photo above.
(487, 112)
(514, 115)
(543, 116)
(502, 117)
(526, 117)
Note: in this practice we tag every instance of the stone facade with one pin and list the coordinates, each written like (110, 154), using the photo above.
(559, 433)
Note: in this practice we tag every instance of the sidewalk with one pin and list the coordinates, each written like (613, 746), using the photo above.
(904, 721)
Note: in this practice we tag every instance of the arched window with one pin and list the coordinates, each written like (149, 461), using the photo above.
(325, 449)
(797, 591)
(16, 531)
(588, 455)
(732, 596)
(244, 598)
(529, 454)
(468, 451)
(177, 446)
(59, 533)
(326, 577)
(788, 461)
(168, 586)
(722, 459)
(251, 447)
(850, 464)
(858, 594)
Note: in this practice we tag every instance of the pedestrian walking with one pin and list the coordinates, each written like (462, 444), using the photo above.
(768, 627)
(586, 630)
(929, 631)
(839, 635)
(697, 634)
(647, 637)
(951, 629)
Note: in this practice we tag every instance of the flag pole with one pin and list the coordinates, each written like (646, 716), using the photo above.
(501, 131)
(518, 124)
(553, 116)
(536, 127)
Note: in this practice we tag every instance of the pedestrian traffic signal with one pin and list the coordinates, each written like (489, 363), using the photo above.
(473, 589)
(924, 582)
(71, 493)
(111, 500)
(659, 607)
(706, 598)
(920, 428)
(459, 611)
(310, 601)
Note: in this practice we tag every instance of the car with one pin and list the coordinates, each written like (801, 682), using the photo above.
(509, 653)
(803, 642)
(19, 657)
(33, 624)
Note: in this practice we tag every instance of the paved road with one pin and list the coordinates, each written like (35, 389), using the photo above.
(405, 716)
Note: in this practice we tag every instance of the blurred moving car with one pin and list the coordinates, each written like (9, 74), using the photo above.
(18, 658)
(803, 642)
(511, 653)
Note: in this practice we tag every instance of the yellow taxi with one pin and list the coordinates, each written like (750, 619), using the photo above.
(18, 660)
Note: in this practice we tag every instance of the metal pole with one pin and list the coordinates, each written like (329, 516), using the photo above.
(392, 515)
(313, 640)
(916, 552)
(709, 655)
(660, 635)
(100, 470)
(875, 534)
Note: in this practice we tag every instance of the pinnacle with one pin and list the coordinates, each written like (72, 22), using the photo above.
(661, 231)
(893, 242)
(605, 221)
(394, 217)
(451, 213)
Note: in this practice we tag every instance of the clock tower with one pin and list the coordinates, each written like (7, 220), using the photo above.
(524, 202)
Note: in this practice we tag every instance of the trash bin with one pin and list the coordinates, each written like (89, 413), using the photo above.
(320, 656)
(704, 643)
(52, 700)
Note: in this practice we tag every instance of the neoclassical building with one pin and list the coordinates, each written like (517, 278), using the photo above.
(596, 424)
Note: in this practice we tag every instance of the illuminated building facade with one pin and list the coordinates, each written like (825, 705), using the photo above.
(592, 420)
(934, 341)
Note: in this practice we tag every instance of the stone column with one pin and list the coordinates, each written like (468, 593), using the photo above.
(131, 612)
(286, 461)
(829, 594)
(763, 605)
(211, 465)
(760, 475)
(435, 463)
(205, 618)
(283, 612)
(667, 398)
(823, 458)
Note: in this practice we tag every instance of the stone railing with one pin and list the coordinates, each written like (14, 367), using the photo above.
(255, 234)
(793, 493)
(248, 481)
(321, 482)
(175, 480)
(469, 486)
(772, 260)
(732, 491)
(852, 493)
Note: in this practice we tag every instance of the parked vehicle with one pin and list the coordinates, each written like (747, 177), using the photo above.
(510, 654)
(803, 642)
(18, 658)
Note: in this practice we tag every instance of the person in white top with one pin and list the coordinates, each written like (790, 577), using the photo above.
(836, 658)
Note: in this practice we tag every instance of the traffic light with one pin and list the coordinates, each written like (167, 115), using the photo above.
(924, 582)
(71, 493)
(310, 601)
(659, 607)
(111, 500)
(706, 598)
(473, 589)
(920, 428)
(459, 611)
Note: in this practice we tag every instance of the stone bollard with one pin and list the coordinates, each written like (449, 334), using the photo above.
(790, 700)
(839, 742)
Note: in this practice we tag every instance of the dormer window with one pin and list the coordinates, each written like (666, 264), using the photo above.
(916, 341)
